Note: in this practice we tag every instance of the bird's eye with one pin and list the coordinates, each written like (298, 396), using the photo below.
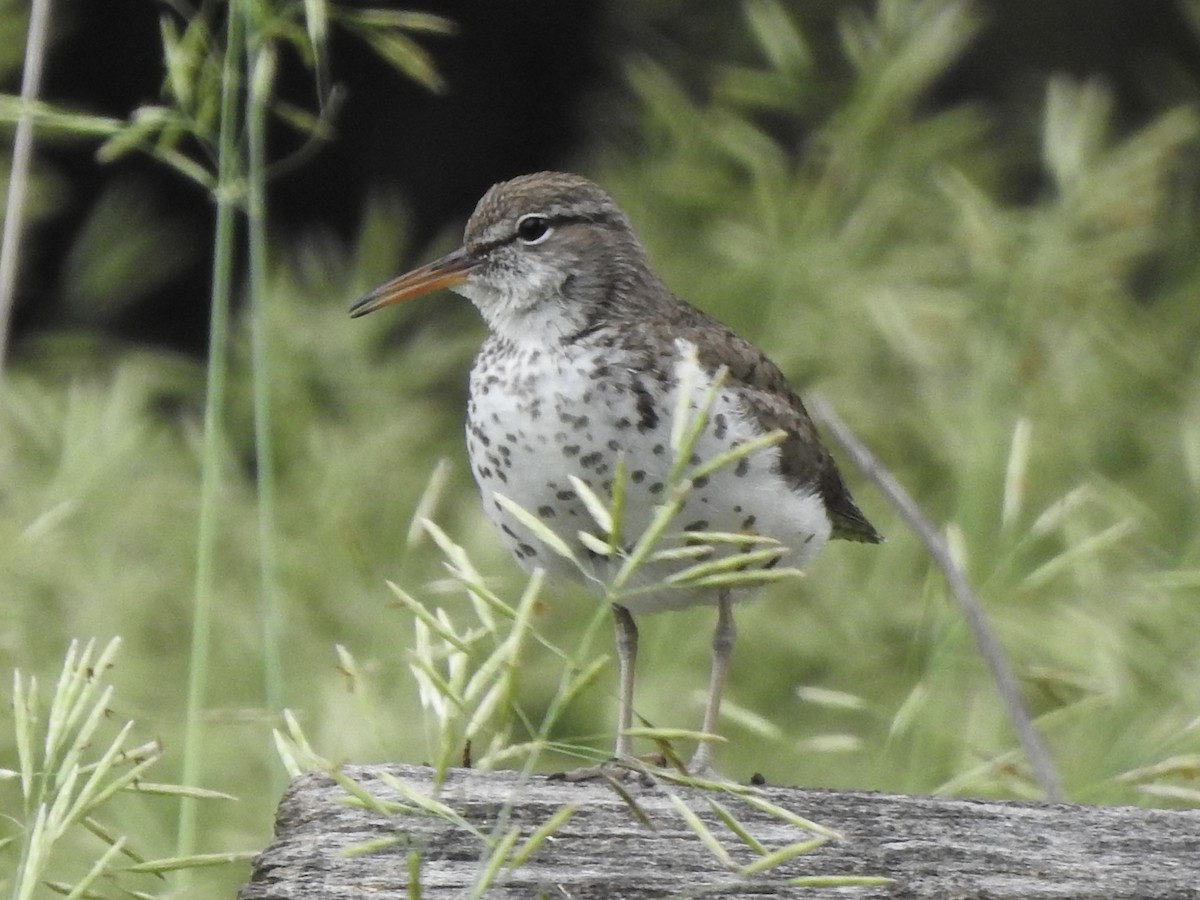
(533, 229)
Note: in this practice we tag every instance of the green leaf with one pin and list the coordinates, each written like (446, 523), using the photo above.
(840, 881)
(417, 608)
(732, 823)
(48, 116)
(406, 55)
(786, 815)
(179, 790)
(596, 507)
(594, 544)
(403, 20)
(537, 527)
(782, 855)
(738, 563)
(702, 831)
(539, 835)
(777, 35)
(195, 861)
(495, 859)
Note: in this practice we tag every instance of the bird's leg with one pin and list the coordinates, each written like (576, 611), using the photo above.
(618, 767)
(627, 641)
(722, 646)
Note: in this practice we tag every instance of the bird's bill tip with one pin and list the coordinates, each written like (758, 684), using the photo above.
(448, 272)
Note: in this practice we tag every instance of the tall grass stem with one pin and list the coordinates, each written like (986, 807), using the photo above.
(22, 159)
(226, 195)
(260, 75)
(990, 648)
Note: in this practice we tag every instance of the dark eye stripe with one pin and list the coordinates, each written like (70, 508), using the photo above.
(551, 222)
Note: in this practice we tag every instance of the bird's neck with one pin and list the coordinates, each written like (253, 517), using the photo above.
(559, 310)
(545, 323)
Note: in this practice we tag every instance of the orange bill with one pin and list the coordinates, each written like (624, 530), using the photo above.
(446, 272)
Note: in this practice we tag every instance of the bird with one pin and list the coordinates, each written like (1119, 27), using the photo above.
(579, 378)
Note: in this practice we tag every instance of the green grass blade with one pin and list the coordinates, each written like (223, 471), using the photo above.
(782, 855)
(539, 836)
(195, 861)
(731, 822)
(537, 527)
(702, 831)
(493, 862)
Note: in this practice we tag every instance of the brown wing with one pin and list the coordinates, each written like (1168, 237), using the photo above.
(804, 460)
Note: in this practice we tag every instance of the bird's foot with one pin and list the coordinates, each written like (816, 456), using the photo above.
(700, 765)
(704, 776)
(620, 769)
(704, 772)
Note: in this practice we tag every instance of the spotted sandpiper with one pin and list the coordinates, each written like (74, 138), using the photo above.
(586, 354)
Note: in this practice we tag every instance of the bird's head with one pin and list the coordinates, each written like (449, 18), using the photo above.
(541, 258)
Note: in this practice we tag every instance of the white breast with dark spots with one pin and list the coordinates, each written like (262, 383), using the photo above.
(536, 417)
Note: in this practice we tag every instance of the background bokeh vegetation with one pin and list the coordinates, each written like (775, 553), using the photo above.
(1008, 315)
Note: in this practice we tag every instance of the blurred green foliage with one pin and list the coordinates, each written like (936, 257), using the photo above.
(1029, 370)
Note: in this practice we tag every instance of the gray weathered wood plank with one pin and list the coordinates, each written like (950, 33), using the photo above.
(931, 847)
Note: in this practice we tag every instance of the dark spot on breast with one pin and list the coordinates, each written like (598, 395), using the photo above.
(566, 495)
(748, 522)
(571, 450)
(700, 482)
(546, 512)
(614, 446)
(590, 460)
(656, 488)
(647, 410)
(659, 450)
(638, 476)
(720, 426)
(698, 525)
(525, 550)
(742, 467)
